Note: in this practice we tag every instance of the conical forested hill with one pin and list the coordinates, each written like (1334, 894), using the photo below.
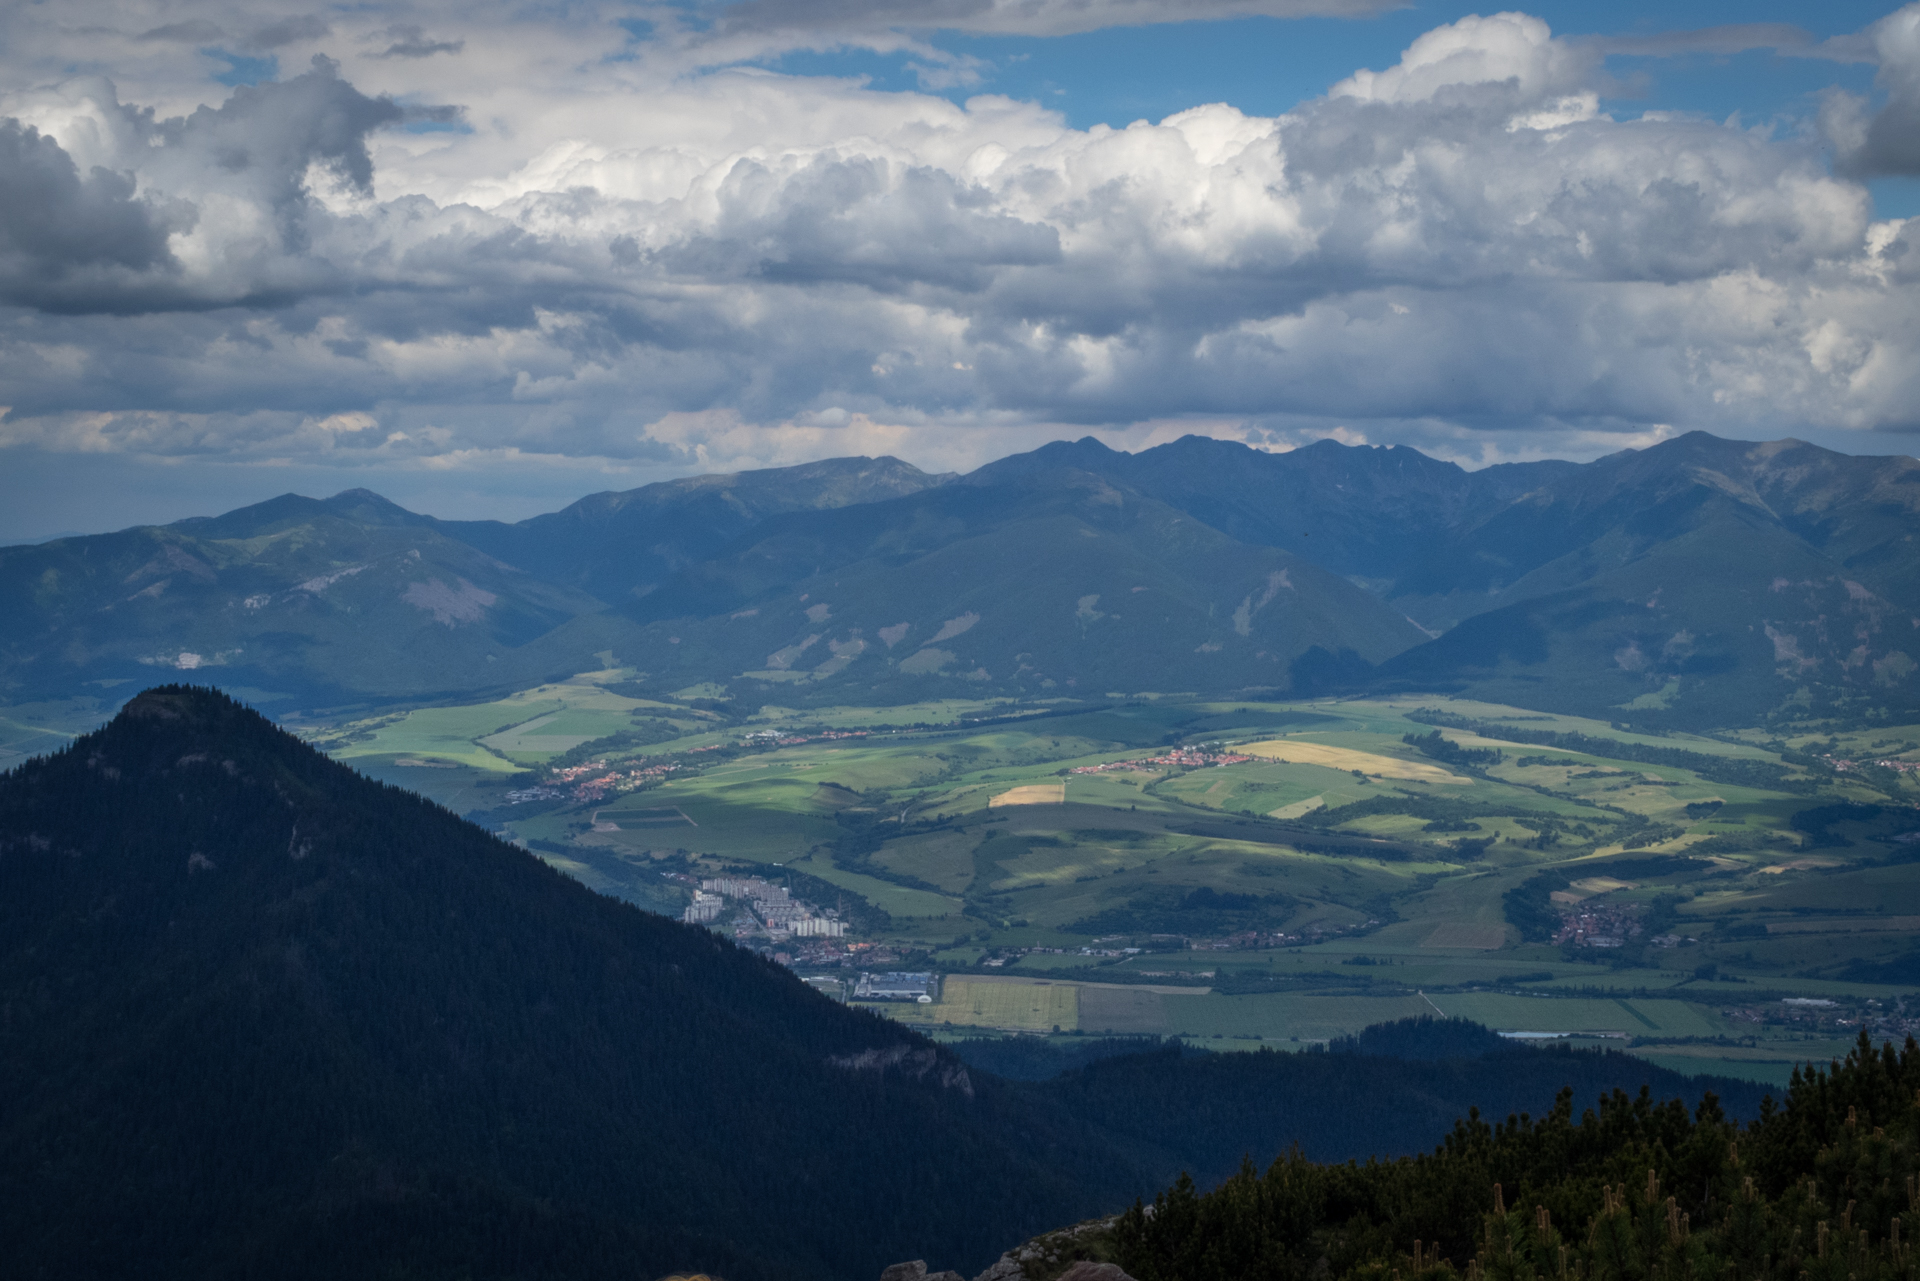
(262, 1017)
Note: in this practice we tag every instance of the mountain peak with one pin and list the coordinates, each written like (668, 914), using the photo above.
(189, 703)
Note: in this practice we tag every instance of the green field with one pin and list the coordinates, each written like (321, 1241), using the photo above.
(1309, 897)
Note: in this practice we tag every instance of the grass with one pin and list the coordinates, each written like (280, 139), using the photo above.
(1015, 1006)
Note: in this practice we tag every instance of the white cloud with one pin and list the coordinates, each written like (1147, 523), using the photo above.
(1514, 49)
(631, 264)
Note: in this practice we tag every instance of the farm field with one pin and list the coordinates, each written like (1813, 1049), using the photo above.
(1309, 865)
(34, 729)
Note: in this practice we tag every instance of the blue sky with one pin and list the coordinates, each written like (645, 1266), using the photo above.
(1268, 65)
(485, 257)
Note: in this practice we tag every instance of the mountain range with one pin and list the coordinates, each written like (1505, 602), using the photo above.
(260, 1016)
(1700, 581)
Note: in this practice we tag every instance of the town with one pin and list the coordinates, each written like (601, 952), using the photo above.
(762, 909)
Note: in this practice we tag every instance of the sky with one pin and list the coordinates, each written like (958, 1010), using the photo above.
(486, 258)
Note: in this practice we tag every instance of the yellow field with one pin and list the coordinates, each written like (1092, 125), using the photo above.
(1300, 752)
(1029, 1007)
(1031, 794)
(1298, 808)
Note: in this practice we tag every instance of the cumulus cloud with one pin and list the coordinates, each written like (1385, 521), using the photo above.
(65, 238)
(1889, 141)
(740, 267)
(1515, 50)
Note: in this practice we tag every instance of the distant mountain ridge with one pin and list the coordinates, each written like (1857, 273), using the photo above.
(1699, 581)
(617, 545)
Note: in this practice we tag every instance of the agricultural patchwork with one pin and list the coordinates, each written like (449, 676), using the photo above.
(1239, 873)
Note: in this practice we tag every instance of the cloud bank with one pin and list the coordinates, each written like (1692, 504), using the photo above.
(474, 242)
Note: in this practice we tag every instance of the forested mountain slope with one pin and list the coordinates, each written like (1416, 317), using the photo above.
(316, 600)
(622, 545)
(264, 1017)
(1821, 1189)
(1043, 581)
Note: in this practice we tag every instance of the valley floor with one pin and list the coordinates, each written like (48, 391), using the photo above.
(1239, 873)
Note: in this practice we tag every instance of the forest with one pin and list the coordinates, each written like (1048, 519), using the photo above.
(1818, 1188)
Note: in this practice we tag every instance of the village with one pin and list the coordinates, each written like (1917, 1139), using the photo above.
(591, 782)
(1597, 924)
(1179, 758)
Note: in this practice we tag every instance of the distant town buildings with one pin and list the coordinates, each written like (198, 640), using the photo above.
(1178, 758)
(895, 985)
(704, 909)
(590, 782)
(1598, 924)
(774, 910)
(780, 738)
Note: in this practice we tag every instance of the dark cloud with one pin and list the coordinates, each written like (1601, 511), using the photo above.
(412, 42)
(198, 31)
(1892, 143)
(63, 234)
(272, 36)
(286, 31)
(268, 134)
(1888, 142)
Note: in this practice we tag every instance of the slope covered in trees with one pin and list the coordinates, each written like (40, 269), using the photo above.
(1820, 1189)
(264, 1017)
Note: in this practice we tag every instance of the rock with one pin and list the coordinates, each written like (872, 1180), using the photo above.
(1007, 1268)
(914, 1271)
(945, 1276)
(1088, 1270)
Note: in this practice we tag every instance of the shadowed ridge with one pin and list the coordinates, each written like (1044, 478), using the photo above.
(619, 544)
(265, 1016)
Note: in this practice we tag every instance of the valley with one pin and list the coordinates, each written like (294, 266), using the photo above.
(1730, 903)
(1245, 748)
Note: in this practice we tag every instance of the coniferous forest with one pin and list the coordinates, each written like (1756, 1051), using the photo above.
(1821, 1188)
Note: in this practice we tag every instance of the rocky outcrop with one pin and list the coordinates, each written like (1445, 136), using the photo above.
(1077, 1253)
(1088, 1270)
(945, 1071)
(1070, 1254)
(917, 1271)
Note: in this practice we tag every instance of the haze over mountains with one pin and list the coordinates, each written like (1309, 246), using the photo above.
(1698, 581)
